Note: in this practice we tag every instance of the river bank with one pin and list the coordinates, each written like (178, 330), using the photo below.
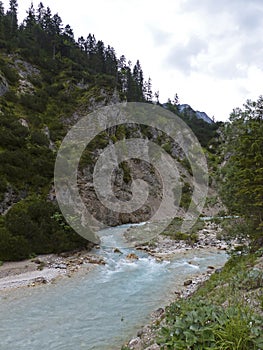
(45, 269)
(147, 334)
(164, 247)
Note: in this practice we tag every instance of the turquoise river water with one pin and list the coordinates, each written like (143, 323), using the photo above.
(99, 310)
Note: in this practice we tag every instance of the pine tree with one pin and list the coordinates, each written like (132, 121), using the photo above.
(90, 45)
(157, 95)
(41, 14)
(68, 32)
(111, 64)
(81, 43)
(2, 21)
(30, 21)
(11, 20)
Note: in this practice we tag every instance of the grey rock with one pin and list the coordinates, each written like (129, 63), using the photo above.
(135, 344)
(153, 347)
(24, 123)
(3, 85)
(60, 266)
(157, 313)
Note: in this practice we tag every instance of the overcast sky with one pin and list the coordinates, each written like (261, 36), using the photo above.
(209, 52)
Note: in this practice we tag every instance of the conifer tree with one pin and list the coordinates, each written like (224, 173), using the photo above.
(12, 22)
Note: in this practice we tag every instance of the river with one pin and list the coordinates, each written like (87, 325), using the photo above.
(99, 310)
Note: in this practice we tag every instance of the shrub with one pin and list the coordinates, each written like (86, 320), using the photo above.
(195, 325)
(31, 226)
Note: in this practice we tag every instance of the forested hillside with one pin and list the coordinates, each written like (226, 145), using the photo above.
(48, 81)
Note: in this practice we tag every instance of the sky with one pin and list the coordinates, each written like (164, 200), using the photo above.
(209, 52)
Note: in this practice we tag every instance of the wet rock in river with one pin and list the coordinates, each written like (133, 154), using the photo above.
(188, 282)
(132, 256)
(117, 250)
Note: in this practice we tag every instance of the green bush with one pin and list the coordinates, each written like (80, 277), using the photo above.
(31, 226)
(198, 325)
(13, 247)
(39, 138)
(10, 73)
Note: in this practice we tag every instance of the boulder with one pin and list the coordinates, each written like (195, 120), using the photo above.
(96, 260)
(135, 344)
(132, 256)
(117, 250)
(188, 282)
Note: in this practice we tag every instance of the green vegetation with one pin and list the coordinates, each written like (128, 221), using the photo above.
(225, 313)
(206, 133)
(47, 79)
(34, 226)
(242, 174)
(173, 231)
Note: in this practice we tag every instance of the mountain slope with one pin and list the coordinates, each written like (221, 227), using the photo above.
(48, 81)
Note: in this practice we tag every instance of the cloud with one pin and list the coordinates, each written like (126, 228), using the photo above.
(183, 55)
(227, 38)
(160, 37)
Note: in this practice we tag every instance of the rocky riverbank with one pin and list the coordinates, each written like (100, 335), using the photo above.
(163, 248)
(145, 338)
(45, 269)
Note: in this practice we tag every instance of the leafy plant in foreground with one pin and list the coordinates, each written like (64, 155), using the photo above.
(195, 325)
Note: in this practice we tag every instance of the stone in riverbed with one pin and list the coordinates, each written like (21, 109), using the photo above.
(140, 333)
(96, 260)
(158, 313)
(153, 347)
(40, 280)
(188, 282)
(60, 266)
(135, 344)
(117, 250)
(37, 261)
(132, 256)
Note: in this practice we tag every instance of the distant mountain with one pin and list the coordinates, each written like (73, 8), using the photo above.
(204, 128)
(189, 111)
